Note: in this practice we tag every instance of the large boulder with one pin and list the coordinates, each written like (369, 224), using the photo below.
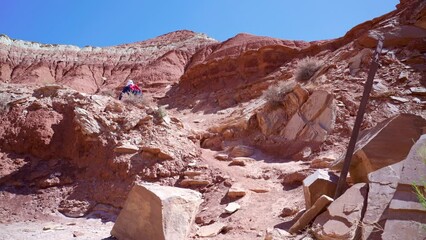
(157, 212)
(406, 216)
(314, 120)
(343, 217)
(319, 183)
(387, 143)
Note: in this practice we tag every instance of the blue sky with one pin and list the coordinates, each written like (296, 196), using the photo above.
(113, 22)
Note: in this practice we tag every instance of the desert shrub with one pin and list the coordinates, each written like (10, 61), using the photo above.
(306, 68)
(4, 100)
(160, 112)
(136, 100)
(275, 94)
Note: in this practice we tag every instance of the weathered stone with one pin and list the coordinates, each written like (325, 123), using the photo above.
(157, 212)
(314, 121)
(211, 230)
(400, 99)
(276, 234)
(271, 120)
(236, 191)
(126, 148)
(241, 151)
(157, 152)
(418, 91)
(385, 144)
(85, 122)
(287, 211)
(295, 177)
(382, 186)
(232, 207)
(310, 214)
(324, 160)
(403, 76)
(194, 182)
(259, 189)
(317, 184)
(222, 157)
(343, 217)
(406, 217)
(241, 161)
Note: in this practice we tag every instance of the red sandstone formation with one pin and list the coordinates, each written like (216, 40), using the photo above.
(68, 148)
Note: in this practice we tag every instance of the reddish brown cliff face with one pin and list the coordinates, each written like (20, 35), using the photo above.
(72, 148)
(156, 62)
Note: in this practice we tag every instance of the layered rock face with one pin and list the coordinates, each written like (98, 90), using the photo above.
(156, 62)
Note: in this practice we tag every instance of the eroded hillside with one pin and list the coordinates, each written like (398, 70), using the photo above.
(70, 148)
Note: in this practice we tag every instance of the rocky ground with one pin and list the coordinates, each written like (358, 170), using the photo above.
(70, 151)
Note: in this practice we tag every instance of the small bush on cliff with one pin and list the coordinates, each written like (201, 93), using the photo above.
(306, 68)
(136, 100)
(275, 94)
(4, 100)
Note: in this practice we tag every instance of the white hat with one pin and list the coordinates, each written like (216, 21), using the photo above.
(130, 82)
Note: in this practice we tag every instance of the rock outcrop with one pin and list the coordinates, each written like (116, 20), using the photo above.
(157, 212)
(387, 143)
(382, 186)
(343, 217)
(406, 216)
(155, 62)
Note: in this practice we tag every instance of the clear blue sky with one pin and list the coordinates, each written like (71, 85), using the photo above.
(112, 22)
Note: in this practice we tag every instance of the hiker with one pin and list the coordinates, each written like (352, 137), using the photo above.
(130, 88)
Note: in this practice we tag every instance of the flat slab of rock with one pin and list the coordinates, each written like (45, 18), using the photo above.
(382, 187)
(222, 157)
(194, 182)
(232, 207)
(276, 234)
(236, 191)
(158, 212)
(240, 161)
(126, 148)
(406, 217)
(307, 217)
(343, 217)
(156, 152)
(385, 144)
(211, 230)
(241, 151)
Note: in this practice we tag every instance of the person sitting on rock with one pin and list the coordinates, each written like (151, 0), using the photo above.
(130, 88)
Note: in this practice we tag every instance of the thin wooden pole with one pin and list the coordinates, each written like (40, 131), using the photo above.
(359, 118)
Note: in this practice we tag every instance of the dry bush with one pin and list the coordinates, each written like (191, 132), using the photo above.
(306, 68)
(4, 100)
(135, 100)
(275, 94)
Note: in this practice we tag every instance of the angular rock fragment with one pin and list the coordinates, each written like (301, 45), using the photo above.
(317, 184)
(157, 212)
(385, 144)
(343, 217)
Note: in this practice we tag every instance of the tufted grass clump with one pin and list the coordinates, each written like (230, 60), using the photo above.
(275, 93)
(135, 100)
(4, 100)
(306, 68)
